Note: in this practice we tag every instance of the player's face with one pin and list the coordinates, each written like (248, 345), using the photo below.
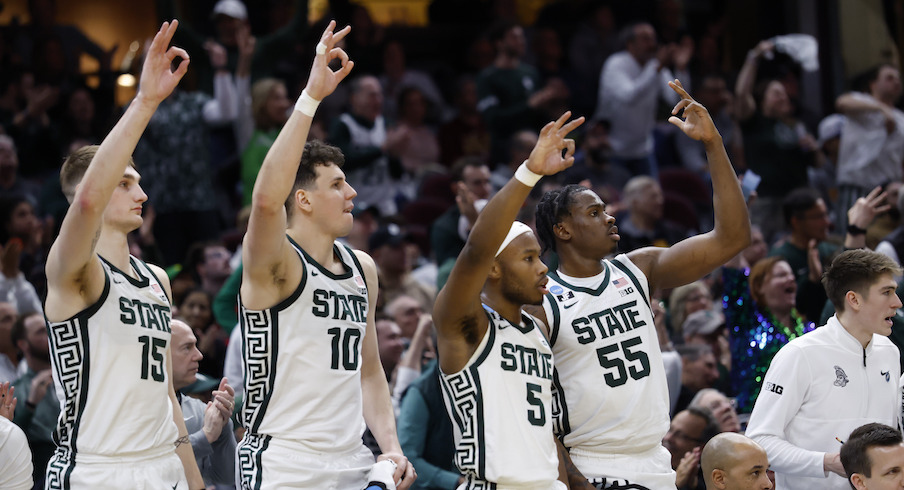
(880, 305)
(331, 198)
(750, 470)
(124, 209)
(886, 469)
(523, 273)
(593, 231)
(185, 355)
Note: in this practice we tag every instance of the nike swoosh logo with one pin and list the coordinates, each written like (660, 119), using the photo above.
(313, 272)
(176, 485)
(569, 306)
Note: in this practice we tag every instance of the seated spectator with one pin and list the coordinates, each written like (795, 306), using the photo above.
(10, 181)
(592, 163)
(707, 327)
(466, 134)
(369, 167)
(425, 433)
(208, 262)
(873, 457)
(698, 371)
(721, 407)
(394, 265)
(761, 317)
(734, 462)
(406, 312)
(389, 342)
(18, 222)
(642, 224)
(38, 407)
(410, 140)
(685, 300)
(13, 285)
(270, 106)
(209, 425)
(397, 77)
(9, 353)
(689, 431)
(471, 181)
(195, 310)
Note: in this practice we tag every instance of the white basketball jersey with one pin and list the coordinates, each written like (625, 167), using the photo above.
(302, 359)
(110, 373)
(610, 392)
(499, 404)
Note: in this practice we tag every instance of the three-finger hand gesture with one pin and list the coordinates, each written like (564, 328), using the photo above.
(323, 80)
(697, 123)
(865, 209)
(158, 80)
(546, 158)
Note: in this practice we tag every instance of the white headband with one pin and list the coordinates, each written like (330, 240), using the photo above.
(518, 228)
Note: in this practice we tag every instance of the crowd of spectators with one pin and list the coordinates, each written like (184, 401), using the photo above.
(430, 124)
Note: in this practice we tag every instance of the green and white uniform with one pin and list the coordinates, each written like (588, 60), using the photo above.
(611, 400)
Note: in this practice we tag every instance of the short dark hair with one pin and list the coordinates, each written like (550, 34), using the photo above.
(195, 255)
(629, 33)
(315, 153)
(499, 29)
(798, 202)
(854, 455)
(711, 429)
(469, 161)
(855, 270)
(553, 207)
(18, 331)
(862, 81)
(692, 352)
(75, 166)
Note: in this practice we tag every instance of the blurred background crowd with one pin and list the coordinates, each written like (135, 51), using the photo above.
(444, 102)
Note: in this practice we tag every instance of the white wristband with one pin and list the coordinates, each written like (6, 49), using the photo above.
(526, 176)
(306, 104)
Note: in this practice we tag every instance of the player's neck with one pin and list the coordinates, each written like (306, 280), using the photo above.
(571, 263)
(508, 310)
(113, 246)
(848, 321)
(318, 245)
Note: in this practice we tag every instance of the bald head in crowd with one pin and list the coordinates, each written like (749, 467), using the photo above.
(731, 461)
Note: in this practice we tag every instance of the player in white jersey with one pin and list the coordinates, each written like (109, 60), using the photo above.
(308, 336)
(611, 400)
(108, 316)
(496, 365)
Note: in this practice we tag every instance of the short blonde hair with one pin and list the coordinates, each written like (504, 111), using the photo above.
(74, 168)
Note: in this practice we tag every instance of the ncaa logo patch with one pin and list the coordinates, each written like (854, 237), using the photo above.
(556, 289)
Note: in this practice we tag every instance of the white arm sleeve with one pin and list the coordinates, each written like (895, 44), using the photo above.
(223, 107)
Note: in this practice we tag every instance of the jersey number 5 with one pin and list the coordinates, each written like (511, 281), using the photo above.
(536, 415)
(152, 351)
(621, 374)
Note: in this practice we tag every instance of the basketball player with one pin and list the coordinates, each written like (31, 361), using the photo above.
(612, 418)
(495, 360)
(108, 316)
(307, 316)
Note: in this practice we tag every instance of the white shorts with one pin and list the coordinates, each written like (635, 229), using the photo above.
(651, 470)
(160, 471)
(482, 485)
(265, 462)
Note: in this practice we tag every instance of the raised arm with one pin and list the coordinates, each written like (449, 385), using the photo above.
(266, 249)
(457, 312)
(72, 266)
(695, 257)
(744, 102)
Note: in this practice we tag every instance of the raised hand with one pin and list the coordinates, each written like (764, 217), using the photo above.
(865, 209)
(158, 80)
(217, 54)
(7, 401)
(546, 157)
(697, 123)
(323, 80)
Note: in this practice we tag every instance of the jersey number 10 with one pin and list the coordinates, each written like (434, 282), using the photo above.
(345, 348)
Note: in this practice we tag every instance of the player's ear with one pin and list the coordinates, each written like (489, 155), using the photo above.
(495, 270)
(302, 200)
(853, 300)
(718, 478)
(562, 231)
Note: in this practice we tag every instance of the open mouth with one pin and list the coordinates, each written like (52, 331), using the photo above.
(542, 286)
(613, 233)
